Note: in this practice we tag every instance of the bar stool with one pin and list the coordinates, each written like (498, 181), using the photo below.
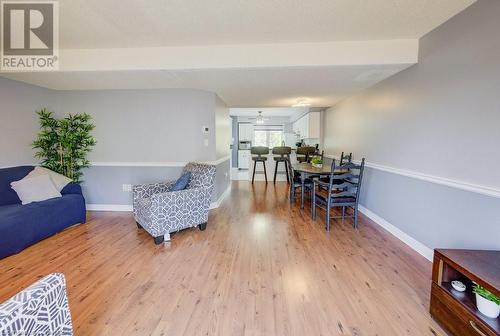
(283, 152)
(304, 153)
(259, 151)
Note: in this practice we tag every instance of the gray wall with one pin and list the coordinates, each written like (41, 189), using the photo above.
(146, 125)
(439, 117)
(18, 121)
(134, 128)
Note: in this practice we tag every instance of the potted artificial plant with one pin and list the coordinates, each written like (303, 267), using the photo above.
(317, 162)
(63, 144)
(487, 302)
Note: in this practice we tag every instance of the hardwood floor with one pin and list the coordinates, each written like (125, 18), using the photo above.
(262, 267)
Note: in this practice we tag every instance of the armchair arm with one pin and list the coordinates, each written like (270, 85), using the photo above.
(188, 207)
(72, 188)
(147, 190)
(41, 308)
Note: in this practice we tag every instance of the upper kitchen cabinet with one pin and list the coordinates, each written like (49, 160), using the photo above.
(245, 132)
(308, 126)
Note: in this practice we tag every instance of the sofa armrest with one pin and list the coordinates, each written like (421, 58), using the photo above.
(72, 188)
(26, 312)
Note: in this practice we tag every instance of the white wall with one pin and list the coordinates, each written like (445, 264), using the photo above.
(222, 129)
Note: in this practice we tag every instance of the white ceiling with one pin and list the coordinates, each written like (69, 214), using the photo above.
(270, 87)
(251, 53)
(153, 23)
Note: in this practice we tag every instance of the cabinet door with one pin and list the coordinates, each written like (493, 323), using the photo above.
(305, 127)
(245, 132)
(314, 126)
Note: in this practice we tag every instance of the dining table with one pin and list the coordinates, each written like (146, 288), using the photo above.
(307, 170)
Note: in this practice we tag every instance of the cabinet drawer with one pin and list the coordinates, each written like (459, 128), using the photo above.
(454, 317)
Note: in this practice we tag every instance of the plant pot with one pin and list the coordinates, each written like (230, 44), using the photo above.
(487, 307)
(317, 165)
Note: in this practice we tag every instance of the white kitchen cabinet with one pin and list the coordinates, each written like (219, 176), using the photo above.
(245, 132)
(243, 158)
(308, 126)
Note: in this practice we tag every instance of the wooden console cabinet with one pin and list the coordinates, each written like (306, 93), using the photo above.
(456, 312)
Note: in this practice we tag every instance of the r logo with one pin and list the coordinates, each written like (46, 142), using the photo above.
(28, 29)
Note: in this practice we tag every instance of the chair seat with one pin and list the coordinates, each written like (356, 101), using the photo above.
(297, 180)
(327, 180)
(322, 195)
(262, 158)
(280, 159)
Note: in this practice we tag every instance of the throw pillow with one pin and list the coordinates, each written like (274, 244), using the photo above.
(35, 189)
(182, 182)
(60, 181)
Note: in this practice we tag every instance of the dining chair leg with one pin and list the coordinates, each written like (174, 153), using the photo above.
(328, 217)
(356, 217)
(286, 169)
(254, 167)
(292, 194)
(265, 173)
(275, 171)
(343, 213)
(313, 211)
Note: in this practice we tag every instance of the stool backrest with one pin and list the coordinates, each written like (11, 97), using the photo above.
(306, 150)
(282, 150)
(259, 150)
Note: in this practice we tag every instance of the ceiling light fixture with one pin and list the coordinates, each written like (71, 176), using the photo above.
(301, 103)
(260, 119)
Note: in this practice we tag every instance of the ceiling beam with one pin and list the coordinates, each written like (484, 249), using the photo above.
(242, 56)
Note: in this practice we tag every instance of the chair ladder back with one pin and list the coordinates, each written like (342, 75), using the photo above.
(345, 158)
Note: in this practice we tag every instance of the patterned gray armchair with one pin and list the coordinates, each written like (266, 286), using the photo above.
(160, 211)
(41, 309)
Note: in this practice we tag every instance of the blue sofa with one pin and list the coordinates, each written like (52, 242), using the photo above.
(24, 225)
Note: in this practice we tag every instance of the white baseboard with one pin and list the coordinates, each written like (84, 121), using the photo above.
(216, 204)
(128, 208)
(109, 207)
(420, 248)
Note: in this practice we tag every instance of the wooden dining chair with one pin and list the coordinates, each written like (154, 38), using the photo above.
(343, 190)
(296, 182)
(345, 158)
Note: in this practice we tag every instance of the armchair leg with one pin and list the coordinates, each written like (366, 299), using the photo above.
(158, 240)
(138, 225)
(203, 226)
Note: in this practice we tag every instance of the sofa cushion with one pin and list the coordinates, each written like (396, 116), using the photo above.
(181, 182)
(7, 176)
(59, 180)
(35, 189)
